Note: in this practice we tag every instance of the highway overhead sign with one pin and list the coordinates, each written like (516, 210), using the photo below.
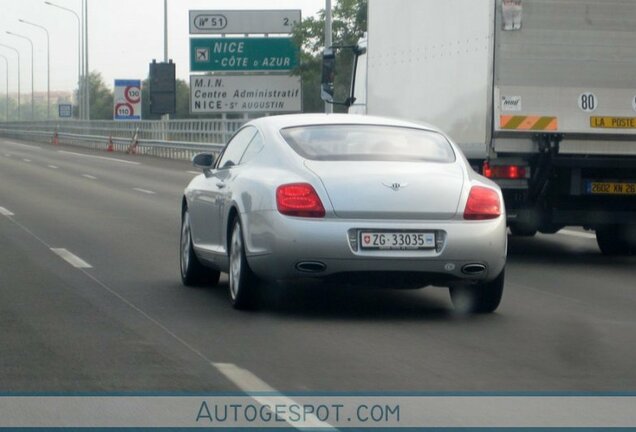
(243, 21)
(244, 93)
(243, 54)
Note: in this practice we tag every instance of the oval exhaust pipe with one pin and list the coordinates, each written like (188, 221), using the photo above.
(473, 269)
(311, 266)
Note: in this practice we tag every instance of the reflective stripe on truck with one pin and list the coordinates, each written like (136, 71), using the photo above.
(537, 123)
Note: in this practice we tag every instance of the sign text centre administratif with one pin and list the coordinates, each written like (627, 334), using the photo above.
(242, 54)
(264, 93)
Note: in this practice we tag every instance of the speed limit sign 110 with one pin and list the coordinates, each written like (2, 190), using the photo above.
(127, 100)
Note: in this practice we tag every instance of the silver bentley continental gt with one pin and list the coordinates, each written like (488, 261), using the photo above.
(352, 199)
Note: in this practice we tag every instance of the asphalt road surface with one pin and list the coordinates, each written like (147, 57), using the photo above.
(91, 300)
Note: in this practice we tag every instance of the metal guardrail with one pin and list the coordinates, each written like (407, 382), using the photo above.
(174, 139)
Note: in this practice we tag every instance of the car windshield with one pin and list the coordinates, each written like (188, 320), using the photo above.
(368, 143)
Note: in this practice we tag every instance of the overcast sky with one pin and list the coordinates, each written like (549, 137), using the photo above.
(124, 36)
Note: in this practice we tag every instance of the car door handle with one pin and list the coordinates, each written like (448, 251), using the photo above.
(220, 185)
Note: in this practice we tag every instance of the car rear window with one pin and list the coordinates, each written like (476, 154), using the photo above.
(368, 143)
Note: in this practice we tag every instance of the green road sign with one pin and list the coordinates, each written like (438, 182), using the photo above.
(242, 54)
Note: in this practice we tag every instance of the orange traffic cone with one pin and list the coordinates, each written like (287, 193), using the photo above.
(110, 147)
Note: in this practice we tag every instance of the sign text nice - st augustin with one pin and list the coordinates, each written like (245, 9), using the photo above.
(242, 54)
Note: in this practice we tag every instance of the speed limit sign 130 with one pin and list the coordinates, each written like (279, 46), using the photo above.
(127, 100)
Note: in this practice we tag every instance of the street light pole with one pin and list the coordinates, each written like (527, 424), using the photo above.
(48, 67)
(79, 54)
(6, 99)
(165, 117)
(18, 54)
(86, 67)
(32, 74)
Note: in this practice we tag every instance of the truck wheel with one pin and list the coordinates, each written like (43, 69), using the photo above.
(479, 298)
(611, 240)
(522, 230)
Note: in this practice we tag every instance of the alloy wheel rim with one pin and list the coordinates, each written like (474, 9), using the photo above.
(185, 244)
(235, 262)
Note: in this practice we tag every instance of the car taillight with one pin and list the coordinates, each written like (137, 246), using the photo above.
(510, 172)
(483, 203)
(299, 199)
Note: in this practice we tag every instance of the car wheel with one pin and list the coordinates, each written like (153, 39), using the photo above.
(479, 298)
(193, 273)
(611, 241)
(242, 281)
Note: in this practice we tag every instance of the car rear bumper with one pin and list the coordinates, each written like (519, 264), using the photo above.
(281, 247)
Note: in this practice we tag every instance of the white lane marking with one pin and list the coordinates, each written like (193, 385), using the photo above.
(124, 300)
(27, 160)
(99, 157)
(194, 172)
(22, 145)
(71, 258)
(53, 167)
(227, 369)
(88, 176)
(248, 382)
(580, 234)
(146, 191)
(5, 212)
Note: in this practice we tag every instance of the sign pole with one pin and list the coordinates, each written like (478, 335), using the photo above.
(87, 85)
(328, 42)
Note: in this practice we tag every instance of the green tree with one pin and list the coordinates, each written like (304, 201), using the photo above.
(183, 99)
(24, 113)
(12, 109)
(349, 22)
(101, 98)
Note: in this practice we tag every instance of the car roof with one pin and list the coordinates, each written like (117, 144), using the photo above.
(291, 120)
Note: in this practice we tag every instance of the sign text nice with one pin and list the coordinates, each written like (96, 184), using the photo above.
(243, 54)
(244, 62)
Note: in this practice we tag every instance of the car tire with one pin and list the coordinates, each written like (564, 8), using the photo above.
(242, 282)
(479, 298)
(193, 273)
(612, 241)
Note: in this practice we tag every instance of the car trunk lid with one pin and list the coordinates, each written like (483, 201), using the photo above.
(395, 190)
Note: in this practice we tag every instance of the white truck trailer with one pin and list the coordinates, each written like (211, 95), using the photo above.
(540, 95)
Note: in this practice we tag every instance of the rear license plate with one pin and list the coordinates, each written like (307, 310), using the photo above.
(397, 240)
(610, 188)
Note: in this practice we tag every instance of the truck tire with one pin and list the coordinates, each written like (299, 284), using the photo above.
(479, 298)
(522, 230)
(612, 240)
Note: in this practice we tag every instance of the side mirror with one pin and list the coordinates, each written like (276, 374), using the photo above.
(327, 83)
(203, 161)
(328, 75)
